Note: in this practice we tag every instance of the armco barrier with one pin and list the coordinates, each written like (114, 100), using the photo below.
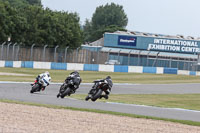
(17, 64)
(2, 63)
(96, 67)
(183, 72)
(75, 66)
(27, 64)
(135, 69)
(149, 69)
(91, 67)
(59, 66)
(106, 68)
(120, 68)
(9, 64)
(159, 70)
(170, 70)
(192, 73)
(197, 73)
(42, 65)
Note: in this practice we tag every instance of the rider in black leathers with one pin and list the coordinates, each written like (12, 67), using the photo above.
(108, 84)
(75, 77)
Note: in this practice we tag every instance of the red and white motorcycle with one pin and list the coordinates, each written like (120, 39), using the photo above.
(41, 84)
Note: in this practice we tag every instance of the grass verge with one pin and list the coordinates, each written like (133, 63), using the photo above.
(185, 101)
(193, 123)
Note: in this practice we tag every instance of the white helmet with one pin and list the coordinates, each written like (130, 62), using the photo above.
(47, 73)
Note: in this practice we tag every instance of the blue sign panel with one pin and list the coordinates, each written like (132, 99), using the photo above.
(127, 40)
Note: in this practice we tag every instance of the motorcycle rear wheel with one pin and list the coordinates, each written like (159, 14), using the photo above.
(87, 98)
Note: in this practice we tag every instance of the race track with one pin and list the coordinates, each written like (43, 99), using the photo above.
(21, 92)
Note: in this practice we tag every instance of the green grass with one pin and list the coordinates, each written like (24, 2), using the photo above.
(90, 76)
(186, 101)
(193, 123)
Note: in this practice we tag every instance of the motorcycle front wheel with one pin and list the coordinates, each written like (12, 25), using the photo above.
(96, 95)
(35, 88)
(66, 92)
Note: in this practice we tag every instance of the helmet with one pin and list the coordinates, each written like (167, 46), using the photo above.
(74, 73)
(47, 73)
(108, 77)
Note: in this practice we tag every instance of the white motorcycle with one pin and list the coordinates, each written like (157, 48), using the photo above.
(42, 82)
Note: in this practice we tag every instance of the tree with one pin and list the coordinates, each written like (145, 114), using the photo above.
(15, 3)
(20, 3)
(87, 30)
(106, 18)
(34, 2)
(33, 24)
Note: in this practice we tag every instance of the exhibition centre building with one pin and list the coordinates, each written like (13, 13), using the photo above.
(154, 50)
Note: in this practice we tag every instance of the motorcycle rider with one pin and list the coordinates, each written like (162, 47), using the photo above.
(40, 76)
(108, 84)
(75, 77)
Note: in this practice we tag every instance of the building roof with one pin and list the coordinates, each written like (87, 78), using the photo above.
(150, 53)
(137, 33)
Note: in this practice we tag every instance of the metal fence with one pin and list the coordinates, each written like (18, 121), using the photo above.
(156, 61)
(15, 52)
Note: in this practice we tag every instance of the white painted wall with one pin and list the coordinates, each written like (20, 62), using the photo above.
(135, 69)
(42, 65)
(183, 72)
(106, 68)
(17, 64)
(198, 73)
(159, 70)
(75, 66)
(2, 63)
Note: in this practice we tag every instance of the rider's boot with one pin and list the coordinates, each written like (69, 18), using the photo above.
(105, 96)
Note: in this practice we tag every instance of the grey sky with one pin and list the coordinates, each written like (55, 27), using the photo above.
(154, 16)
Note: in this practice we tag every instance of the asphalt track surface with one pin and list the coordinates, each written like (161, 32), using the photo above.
(21, 92)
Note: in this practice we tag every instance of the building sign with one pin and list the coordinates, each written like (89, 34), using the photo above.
(127, 40)
(174, 45)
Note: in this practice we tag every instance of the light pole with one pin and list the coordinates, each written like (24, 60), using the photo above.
(55, 53)
(156, 59)
(129, 57)
(44, 50)
(13, 54)
(119, 54)
(8, 50)
(108, 55)
(32, 52)
(2, 50)
(148, 58)
(77, 54)
(66, 52)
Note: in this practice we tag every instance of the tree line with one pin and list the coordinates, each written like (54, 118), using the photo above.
(27, 22)
(30, 23)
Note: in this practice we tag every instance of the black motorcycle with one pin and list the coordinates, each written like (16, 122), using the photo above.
(67, 88)
(97, 90)
(35, 87)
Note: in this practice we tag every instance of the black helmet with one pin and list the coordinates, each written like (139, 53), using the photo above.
(74, 73)
(108, 77)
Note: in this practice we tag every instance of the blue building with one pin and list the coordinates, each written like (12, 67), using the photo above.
(143, 49)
